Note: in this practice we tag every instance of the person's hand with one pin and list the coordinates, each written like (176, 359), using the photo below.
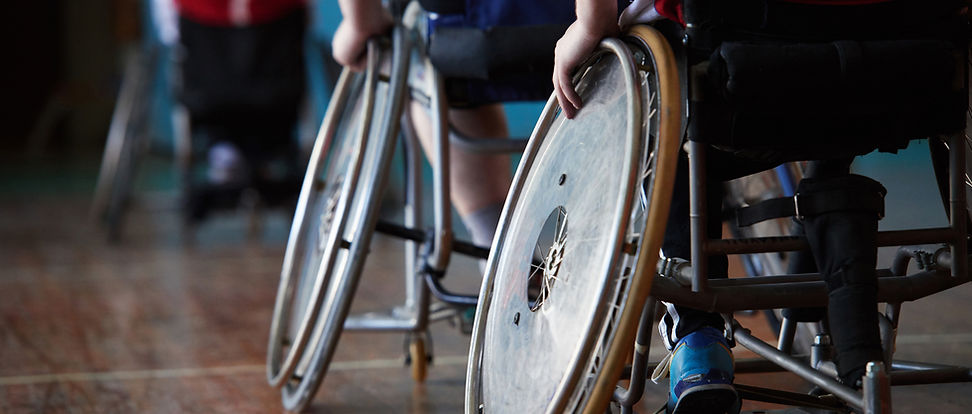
(572, 49)
(350, 39)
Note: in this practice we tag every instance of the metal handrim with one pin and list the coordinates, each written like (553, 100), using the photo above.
(298, 392)
(279, 370)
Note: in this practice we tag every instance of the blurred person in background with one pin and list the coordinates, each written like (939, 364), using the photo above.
(242, 83)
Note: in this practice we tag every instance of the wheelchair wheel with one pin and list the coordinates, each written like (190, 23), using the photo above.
(579, 239)
(939, 152)
(332, 230)
(126, 140)
(939, 149)
(307, 266)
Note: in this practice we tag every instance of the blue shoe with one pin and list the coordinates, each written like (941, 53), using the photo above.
(701, 374)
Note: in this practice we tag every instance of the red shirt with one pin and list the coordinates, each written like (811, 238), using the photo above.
(235, 12)
(672, 9)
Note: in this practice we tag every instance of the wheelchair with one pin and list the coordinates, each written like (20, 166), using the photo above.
(127, 139)
(594, 201)
(139, 108)
(338, 208)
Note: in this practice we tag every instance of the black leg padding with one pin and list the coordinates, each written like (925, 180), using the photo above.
(844, 247)
(802, 262)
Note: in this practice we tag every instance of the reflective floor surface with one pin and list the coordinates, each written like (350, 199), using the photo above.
(167, 323)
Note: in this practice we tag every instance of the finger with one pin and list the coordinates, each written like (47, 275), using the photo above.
(359, 62)
(565, 88)
(565, 105)
(350, 54)
(568, 86)
(345, 59)
(561, 100)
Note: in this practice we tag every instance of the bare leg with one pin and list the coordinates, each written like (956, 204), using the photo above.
(479, 182)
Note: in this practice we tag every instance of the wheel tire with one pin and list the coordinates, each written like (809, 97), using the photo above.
(335, 279)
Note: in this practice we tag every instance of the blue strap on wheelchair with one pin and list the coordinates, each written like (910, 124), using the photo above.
(849, 193)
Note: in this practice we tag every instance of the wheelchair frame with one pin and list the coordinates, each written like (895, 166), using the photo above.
(685, 284)
(427, 252)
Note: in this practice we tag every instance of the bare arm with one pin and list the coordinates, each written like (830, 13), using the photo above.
(362, 19)
(596, 19)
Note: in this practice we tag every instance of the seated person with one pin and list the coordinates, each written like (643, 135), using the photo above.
(242, 82)
(478, 182)
(842, 242)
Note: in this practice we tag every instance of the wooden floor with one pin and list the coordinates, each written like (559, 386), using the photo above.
(159, 325)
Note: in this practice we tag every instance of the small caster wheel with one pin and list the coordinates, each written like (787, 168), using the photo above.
(418, 359)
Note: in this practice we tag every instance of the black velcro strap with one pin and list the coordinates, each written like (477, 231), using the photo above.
(765, 210)
(803, 205)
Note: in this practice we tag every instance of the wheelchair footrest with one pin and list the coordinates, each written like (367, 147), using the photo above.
(395, 319)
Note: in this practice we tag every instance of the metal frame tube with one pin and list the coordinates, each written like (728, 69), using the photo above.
(416, 294)
(730, 295)
(487, 145)
(957, 202)
(787, 332)
(744, 337)
(412, 209)
(442, 238)
(639, 364)
(877, 389)
(749, 392)
(932, 376)
(697, 214)
(795, 243)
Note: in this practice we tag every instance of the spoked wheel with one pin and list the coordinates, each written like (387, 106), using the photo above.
(332, 229)
(942, 162)
(940, 150)
(565, 286)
